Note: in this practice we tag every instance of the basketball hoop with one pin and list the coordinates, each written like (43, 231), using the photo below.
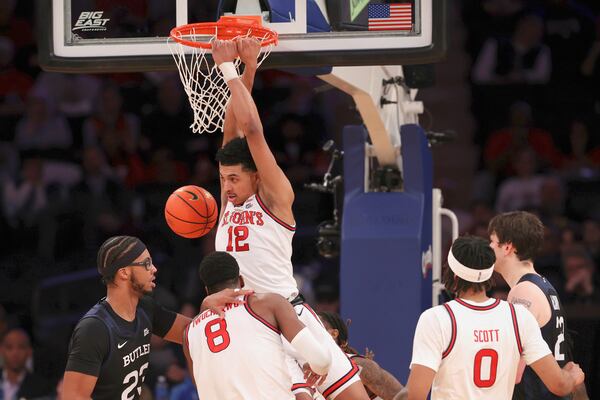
(204, 85)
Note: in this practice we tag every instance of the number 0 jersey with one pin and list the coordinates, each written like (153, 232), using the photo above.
(262, 245)
(475, 347)
(239, 357)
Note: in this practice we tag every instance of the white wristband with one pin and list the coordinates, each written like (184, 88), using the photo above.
(228, 70)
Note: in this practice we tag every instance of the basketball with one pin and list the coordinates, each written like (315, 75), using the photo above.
(191, 211)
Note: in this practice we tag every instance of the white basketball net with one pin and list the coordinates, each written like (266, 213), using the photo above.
(203, 83)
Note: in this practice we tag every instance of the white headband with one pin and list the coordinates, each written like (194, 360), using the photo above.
(466, 273)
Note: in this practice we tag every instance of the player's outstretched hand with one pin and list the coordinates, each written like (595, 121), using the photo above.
(311, 377)
(369, 354)
(223, 51)
(575, 371)
(248, 48)
(217, 302)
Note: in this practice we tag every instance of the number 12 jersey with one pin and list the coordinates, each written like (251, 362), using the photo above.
(262, 245)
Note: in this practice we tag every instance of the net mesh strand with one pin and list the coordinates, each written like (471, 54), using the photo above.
(203, 83)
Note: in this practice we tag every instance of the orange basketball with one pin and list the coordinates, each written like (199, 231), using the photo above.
(191, 211)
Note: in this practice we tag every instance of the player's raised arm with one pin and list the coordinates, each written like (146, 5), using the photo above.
(249, 56)
(276, 188)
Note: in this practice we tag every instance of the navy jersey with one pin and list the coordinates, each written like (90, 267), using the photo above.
(554, 333)
(115, 350)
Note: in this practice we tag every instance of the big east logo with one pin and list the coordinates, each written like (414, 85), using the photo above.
(243, 218)
(91, 21)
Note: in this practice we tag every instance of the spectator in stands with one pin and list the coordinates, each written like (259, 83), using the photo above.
(551, 207)
(523, 190)
(30, 206)
(520, 133)
(204, 174)
(42, 128)
(168, 124)
(484, 18)
(9, 162)
(591, 239)
(579, 270)
(570, 31)
(14, 86)
(590, 67)
(73, 94)
(25, 200)
(118, 133)
(17, 381)
(100, 200)
(583, 159)
(522, 59)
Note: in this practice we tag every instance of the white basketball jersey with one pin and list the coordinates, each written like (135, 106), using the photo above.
(478, 348)
(262, 245)
(239, 357)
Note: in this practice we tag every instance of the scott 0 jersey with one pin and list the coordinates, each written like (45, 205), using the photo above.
(531, 386)
(475, 347)
(262, 245)
(238, 357)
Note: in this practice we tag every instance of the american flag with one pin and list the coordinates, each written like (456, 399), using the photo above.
(390, 17)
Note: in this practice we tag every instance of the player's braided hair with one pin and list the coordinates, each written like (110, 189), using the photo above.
(335, 321)
(112, 252)
(235, 152)
(473, 252)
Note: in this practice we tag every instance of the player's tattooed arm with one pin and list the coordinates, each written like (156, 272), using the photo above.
(524, 302)
(377, 379)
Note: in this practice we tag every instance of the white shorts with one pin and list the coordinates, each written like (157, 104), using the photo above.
(342, 373)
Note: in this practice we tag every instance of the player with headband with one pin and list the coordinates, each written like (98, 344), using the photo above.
(469, 348)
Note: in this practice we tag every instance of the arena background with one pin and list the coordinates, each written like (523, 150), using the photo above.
(105, 151)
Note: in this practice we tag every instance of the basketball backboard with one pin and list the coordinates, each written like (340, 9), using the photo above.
(131, 35)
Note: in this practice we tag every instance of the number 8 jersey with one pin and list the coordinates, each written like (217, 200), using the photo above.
(475, 347)
(238, 357)
(262, 245)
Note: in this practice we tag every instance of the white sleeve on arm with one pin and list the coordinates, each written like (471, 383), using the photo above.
(317, 356)
(431, 340)
(534, 345)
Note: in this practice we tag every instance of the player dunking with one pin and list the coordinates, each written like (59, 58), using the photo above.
(109, 352)
(242, 355)
(256, 224)
(516, 238)
(469, 348)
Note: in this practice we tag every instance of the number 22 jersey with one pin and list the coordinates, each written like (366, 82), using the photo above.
(262, 245)
(475, 347)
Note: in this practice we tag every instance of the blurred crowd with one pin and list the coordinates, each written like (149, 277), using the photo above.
(534, 78)
(84, 157)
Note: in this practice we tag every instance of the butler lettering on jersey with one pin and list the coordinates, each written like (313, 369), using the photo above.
(486, 335)
(135, 354)
(209, 313)
(243, 218)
